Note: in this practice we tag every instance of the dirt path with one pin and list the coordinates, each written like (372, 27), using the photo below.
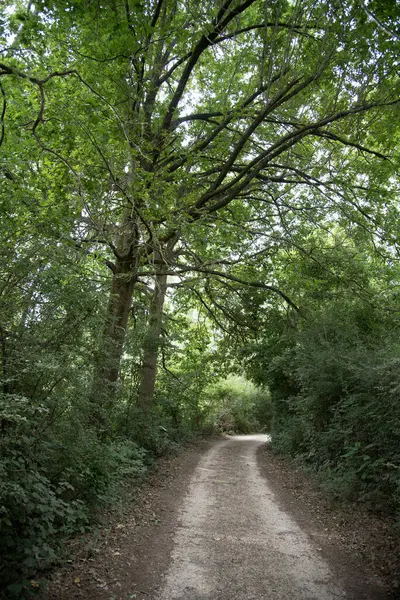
(234, 541)
(218, 532)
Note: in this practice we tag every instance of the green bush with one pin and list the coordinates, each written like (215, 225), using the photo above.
(335, 401)
(237, 405)
(51, 482)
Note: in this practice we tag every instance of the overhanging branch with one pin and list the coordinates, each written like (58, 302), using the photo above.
(255, 284)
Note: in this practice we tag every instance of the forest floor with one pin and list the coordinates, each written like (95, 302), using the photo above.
(227, 519)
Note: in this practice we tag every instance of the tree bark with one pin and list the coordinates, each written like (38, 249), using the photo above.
(118, 311)
(4, 369)
(152, 343)
(117, 315)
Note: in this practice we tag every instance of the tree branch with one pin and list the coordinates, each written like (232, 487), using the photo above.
(157, 12)
(256, 284)
(3, 114)
(208, 309)
(379, 22)
(241, 181)
(195, 117)
(223, 125)
(204, 42)
(333, 136)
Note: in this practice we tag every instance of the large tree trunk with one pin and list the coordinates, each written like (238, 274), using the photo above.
(152, 343)
(116, 320)
(118, 311)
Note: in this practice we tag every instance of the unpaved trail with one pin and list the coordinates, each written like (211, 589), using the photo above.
(209, 526)
(234, 541)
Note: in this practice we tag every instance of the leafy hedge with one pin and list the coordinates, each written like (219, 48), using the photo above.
(51, 481)
(236, 405)
(57, 469)
(335, 387)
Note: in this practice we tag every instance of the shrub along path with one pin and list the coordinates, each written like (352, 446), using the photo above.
(213, 523)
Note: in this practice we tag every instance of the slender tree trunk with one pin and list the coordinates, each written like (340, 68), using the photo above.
(152, 343)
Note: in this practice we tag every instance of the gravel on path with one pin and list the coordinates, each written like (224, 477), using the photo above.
(234, 540)
(215, 523)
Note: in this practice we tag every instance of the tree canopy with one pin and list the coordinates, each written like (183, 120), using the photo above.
(195, 188)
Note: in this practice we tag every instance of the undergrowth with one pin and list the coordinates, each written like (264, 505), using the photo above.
(55, 477)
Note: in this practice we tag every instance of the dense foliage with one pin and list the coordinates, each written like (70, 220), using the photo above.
(333, 376)
(187, 190)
